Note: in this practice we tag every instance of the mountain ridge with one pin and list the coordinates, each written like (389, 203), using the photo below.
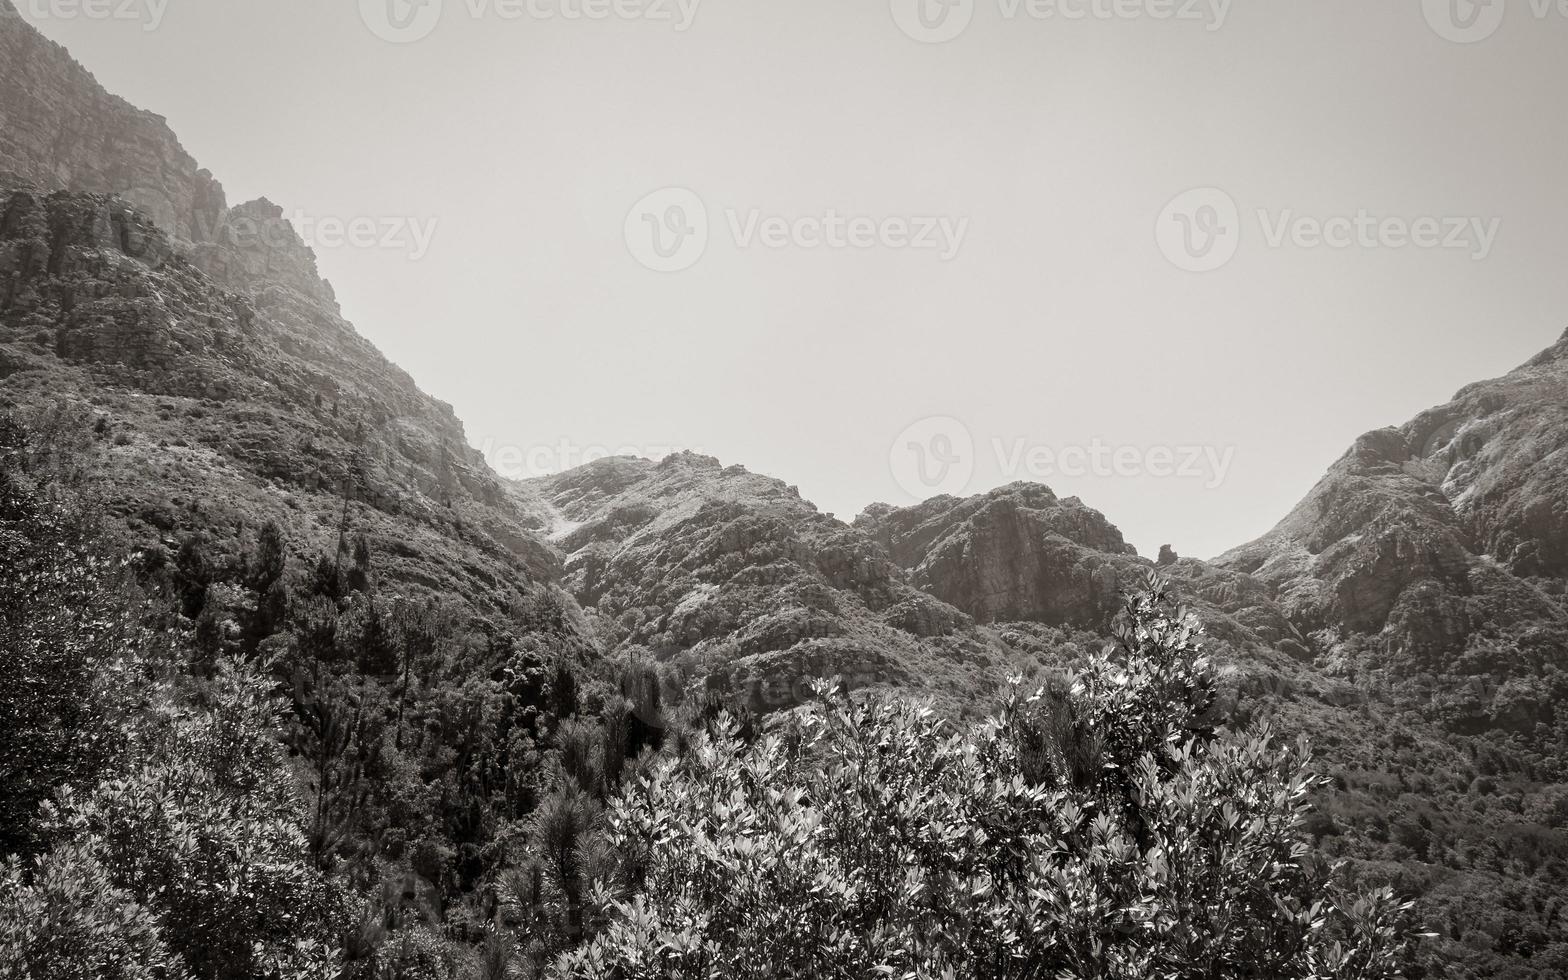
(1408, 613)
(203, 343)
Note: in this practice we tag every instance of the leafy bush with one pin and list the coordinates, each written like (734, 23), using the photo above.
(1107, 831)
(71, 923)
(207, 836)
(67, 641)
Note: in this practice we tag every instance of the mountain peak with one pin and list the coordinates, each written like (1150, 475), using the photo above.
(1016, 552)
(1444, 534)
(60, 130)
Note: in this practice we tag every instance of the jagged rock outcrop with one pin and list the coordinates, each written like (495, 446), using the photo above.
(1438, 545)
(59, 130)
(1017, 553)
(201, 344)
(718, 567)
(1022, 555)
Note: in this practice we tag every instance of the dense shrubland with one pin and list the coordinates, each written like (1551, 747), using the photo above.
(252, 760)
(242, 762)
(1106, 830)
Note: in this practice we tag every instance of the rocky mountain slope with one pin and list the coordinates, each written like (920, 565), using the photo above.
(1020, 553)
(1409, 614)
(200, 345)
(1434, 553)
(59, 130)
(735, 577)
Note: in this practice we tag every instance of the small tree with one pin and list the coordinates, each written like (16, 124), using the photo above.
(269, 561)
(1109, 831)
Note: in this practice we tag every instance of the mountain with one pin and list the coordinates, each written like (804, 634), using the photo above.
(59, 130)
(1435, 554)
(275, 508)
(1429, 562)
(1411, 614)
(1019, 553)
(212, 360)
(1408, 615)
(737, 578)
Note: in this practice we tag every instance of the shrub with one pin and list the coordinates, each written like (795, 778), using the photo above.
(69, 922)
(1108, 831)
(207, 836)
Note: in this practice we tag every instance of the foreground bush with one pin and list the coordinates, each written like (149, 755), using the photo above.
(191, 864)
(1108, 831)
(71, 921)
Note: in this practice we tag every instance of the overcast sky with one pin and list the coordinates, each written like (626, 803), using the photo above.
(807, 235)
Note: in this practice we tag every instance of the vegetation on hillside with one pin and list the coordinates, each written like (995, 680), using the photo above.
(260, 765)
(1108, 830)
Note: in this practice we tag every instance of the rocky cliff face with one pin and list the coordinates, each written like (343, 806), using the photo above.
(220, 410)
(202, 344)
(1438, 546)
(736, 576)
(1018, 553)
(1021, 554)
(59, 130)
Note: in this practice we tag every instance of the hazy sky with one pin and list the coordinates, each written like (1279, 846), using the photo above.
(900, 229)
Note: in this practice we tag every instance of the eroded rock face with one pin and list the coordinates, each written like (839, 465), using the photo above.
(265, 401)
(59, 130)
(1017, 553)
(1020, 557)
(1441, 537)
(254, 243)
(205, 348)
(691, 560)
